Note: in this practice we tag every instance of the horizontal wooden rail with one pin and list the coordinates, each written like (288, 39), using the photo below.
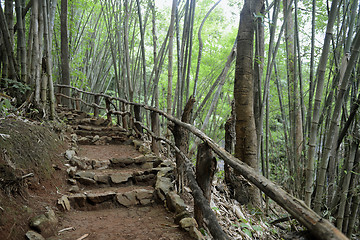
(79, 99)
(318, 226)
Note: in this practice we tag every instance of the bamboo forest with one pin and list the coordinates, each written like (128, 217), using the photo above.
(229, 119)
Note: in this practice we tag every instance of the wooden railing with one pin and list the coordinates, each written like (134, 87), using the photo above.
(318, 226)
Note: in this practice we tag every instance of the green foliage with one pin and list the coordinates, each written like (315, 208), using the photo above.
(247, 227)
(220, 174)
(5, 107)
(15, 85)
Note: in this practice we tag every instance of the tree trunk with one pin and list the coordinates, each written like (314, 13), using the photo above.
(310, 166)
(246, 142)
(65, 67)
(9, 16)
(205, 170)
(8, 44)
(296, 134)
(344, 189)
(320, 184)
(229, 142)
(181, 137)
(21, 38)
(170, 64)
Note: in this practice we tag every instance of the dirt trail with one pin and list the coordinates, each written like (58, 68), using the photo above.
(135, 222)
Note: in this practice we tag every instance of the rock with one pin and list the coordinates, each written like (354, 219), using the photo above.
(69, 154)
(121, 162)
(50, 214)
(85, 177)
(188, 223)
(97, 164)
(86, 181)
(95, 138)
(164, 171)
(147, 165)
(144, 196)
(86, 161)
(77, 200)
(145, 158)
(163, 186)
(179, 216)
(72, 181)
(100, 197)
(167, 163)
(121, 177)
(137, 143)
(32, 235)
(174, 202)
(76, 161)
(45, 223)
(64, 203)
(144, 150)
(102, 178)
(74, 137)
(74, 189)
(71, 171)
(127, 199)
(196, 234)
(84, 140)
(144, 178)
(85, 174)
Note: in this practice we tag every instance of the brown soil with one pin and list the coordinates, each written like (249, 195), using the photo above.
(151, 222)
(29, 149)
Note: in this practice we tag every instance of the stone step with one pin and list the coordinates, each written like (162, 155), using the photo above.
(71, 115)
(104, 130)
(116, 177)
(90, 121)
(142, 161)
(98, 138)
(109, 198)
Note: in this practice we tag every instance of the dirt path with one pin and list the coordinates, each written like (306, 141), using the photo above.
(134, 222)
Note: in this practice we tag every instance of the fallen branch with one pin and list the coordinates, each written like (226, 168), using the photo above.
(83, 237)
(280, 220)
(66, 229)
(27, 175)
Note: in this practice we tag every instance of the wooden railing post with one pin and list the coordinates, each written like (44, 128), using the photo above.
(124, 118)
(137, 114)
(181, 136)
(205, 170)
(77, 101)
(108, 110)
(156, 129)
(229, 138)
(58, 97)
(96, 108)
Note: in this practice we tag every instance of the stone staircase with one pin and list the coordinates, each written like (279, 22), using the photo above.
(110, 169)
